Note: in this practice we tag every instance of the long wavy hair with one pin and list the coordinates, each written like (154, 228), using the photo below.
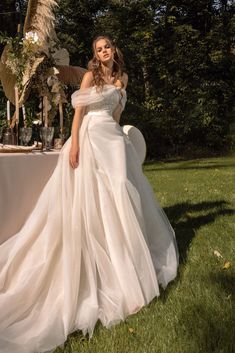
(95, 66)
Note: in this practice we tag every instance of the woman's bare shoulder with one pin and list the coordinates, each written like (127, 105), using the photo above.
(87, 80)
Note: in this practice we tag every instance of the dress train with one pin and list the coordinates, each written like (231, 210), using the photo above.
(95, 247)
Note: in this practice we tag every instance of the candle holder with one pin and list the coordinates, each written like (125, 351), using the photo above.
(58, 143)
(9, 137)
(62, 135)
(47, 134)
(60, 138)
(25, 135)
(17, 132)
(1, 132)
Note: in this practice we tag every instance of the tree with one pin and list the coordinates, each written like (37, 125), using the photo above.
(180, 59)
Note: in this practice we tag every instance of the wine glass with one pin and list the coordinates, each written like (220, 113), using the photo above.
(47, 134)
(25, 135)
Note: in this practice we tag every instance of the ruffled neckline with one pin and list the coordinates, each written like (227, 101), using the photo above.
(112, 85)
(90, 95)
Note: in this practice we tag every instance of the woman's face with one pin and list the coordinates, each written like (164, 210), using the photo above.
(104, 51)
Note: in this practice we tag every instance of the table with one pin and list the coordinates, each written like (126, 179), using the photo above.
(22, 178)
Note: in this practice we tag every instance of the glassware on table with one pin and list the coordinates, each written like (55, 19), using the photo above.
(47, 134)
(9, 137)
(25, 135)
(59, 141)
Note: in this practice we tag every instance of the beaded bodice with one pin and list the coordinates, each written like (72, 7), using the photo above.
(109, 101)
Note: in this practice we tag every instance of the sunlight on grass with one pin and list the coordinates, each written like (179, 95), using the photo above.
(196, 312)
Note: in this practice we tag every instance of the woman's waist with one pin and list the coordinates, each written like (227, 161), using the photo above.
(100, 112)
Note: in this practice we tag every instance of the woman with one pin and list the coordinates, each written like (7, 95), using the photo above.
(97, 245)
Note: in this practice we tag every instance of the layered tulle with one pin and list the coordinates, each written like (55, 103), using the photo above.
(92, 95)
(96, 246)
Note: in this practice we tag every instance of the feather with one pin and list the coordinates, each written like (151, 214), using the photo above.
(40, 18)
(71, 75)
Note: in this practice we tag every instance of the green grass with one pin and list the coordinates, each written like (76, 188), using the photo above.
(196, 313)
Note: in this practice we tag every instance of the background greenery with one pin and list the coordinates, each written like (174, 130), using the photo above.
(180, 58)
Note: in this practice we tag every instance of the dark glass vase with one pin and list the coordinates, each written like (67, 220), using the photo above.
(9, 137)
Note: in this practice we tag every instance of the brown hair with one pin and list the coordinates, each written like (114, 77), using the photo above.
(95, 67)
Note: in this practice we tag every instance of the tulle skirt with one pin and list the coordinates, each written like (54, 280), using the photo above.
(95, 247)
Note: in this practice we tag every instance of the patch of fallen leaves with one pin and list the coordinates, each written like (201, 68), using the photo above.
(227, 264)
(217, 254)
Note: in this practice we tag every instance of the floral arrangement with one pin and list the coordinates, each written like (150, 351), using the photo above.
(22, 52)
(33, 66)
(28, 69)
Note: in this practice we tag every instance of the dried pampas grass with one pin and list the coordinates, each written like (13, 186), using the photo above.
(40, 18)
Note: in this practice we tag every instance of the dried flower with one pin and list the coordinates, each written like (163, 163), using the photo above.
(217, 253)
(32, 37)
(37, 122)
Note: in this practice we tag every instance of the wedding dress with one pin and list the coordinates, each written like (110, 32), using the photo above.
(95, 247)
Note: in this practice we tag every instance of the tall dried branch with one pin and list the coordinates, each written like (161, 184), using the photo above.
(40, 18)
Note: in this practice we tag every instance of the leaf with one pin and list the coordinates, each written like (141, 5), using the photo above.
(131, 330)
(227, 264)
(31, 69)
(217, 254)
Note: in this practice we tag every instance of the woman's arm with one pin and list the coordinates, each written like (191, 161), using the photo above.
(77, 122)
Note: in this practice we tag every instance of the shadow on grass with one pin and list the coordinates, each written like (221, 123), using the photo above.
(225, 280)
(215, 328)
(185, 223)
(215, 331)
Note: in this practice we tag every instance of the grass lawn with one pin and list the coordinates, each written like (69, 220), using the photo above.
(196, 313)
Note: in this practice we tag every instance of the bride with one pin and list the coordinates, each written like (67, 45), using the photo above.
(97, 245)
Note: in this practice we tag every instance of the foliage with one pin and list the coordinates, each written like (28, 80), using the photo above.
(22, 53)
(180, 58)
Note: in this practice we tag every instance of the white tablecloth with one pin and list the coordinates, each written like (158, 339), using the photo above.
(22, 178)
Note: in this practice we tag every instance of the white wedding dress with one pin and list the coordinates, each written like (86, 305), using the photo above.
(95, 247)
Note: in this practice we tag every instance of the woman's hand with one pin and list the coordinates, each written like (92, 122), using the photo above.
(74, 156)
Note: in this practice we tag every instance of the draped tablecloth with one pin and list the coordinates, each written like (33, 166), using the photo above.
(22, 178)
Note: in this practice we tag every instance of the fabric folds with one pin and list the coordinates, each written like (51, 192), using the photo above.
(96, 246)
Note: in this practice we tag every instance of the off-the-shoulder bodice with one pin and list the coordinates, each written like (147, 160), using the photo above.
(105, 99)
